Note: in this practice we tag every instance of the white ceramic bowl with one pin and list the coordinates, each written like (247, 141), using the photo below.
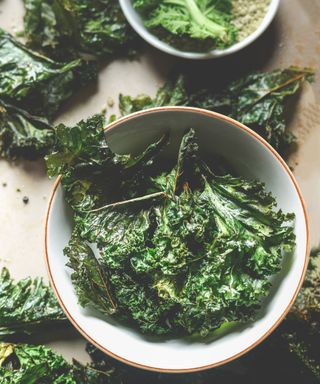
(137, 24)
(251, 156)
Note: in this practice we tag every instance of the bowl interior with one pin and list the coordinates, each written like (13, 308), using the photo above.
(250, 157)
(137, 24)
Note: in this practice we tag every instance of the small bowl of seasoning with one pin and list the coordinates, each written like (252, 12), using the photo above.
(193, 29)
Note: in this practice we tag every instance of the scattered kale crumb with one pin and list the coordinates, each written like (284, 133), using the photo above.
(110, 102)
(18, 190)
(4, 184)
(25, 199)
(112, 118)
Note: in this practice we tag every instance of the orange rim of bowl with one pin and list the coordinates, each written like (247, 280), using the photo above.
(271, 329)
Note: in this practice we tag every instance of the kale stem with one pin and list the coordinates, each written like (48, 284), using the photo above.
(135, 200)
(200, 18)
(277, 88)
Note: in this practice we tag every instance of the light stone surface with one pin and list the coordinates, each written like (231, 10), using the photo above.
(293, 39)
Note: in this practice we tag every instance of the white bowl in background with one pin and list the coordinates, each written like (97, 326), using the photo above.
(136, 22)
(252, 157)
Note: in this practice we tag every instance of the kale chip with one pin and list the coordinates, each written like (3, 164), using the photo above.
(27, 306)
(64, 28)
(36, 83)
(23, 135)
(31, 364)
(180, 249)
(32, 89)
(258, 100)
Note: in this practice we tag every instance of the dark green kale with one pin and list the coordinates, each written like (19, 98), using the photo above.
(30, 364)
(90, 280)
(23, 135)
(165, 232)
(300, 331)
(258, 100)
(292, 352)
(34, 82)
(32, 89)
(305, 350)
(76, 146)
(64, 28)
(27, 306)
(307, 304)
(173, 92)
(190, 25)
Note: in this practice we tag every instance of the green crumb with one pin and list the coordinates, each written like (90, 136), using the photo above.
(18, 190)
(4, 184)
(110, 102)
(112, 118)
(247, 15)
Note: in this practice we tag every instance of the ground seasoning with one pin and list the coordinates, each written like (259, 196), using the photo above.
(247, 15)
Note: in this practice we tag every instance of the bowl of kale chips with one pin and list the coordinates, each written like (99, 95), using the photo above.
(176, 238)
(196, 29)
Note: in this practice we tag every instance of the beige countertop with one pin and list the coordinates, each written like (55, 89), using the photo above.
(293, 39)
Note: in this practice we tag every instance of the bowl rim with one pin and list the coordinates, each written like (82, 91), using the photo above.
(156, 42)
(284, 312)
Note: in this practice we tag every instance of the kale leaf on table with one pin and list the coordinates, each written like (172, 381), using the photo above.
(64, 28)
(307, 304)
(23, 135)
(258, 100)
(36, 83)
(27, 306)
(301, 330)
(173, 92)
(190, 25)
(180, 248)
(32, 364)
(32, 89)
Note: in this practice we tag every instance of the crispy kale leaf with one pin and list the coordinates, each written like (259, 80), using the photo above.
(36, 83)
(179, 248)
(63, 27)
(258, 100)
(30, 364)
(301, 329)
(26, 306)
(90, 280)
(23, 135)
(76, 146)
(307, 304)
(190, 24)
(305, 350)
(173, 92)
(32, 89)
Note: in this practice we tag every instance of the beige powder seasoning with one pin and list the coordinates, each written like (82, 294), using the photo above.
(247, 15)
